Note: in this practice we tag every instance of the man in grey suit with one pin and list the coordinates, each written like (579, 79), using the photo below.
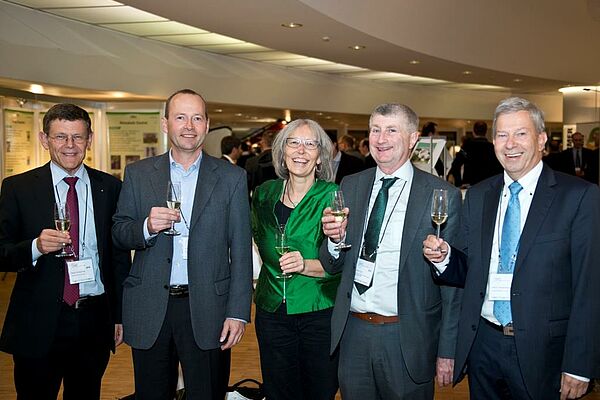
(187, 297)
(395, 328)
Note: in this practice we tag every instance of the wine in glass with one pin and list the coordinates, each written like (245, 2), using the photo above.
(336, 202)
(174, 203)
(62, 222)
(281, 247)
(439, 208)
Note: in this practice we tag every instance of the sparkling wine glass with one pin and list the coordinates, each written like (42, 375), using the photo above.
(439, 208)
(281, 247)
(336, 202)
(62, 222)
(174, 203)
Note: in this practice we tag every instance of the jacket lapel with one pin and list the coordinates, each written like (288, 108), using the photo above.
(159, 179)
(100, 212)
(420, 193)
(207, 179)
(540, 206)
(491, 203)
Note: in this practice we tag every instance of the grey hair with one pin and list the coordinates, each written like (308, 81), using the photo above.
(411, 120)
(325, 149)
(515, 104)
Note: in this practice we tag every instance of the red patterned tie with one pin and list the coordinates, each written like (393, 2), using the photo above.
(71, 291)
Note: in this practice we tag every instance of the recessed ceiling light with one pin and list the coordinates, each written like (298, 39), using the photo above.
(218, 110)
(327, 117)
(326, 38)
(414, 62)
(319, 114)
(238, 114)
(467, 72)
(357, 47)
(292, 25)
(37, 89)
(517, 80)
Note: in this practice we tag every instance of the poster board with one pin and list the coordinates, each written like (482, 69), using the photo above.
(132, 137)
(18, 141)
(426, 153)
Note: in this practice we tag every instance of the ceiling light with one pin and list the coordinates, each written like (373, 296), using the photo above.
(37, 89)
(357, 47)
(218, 110)
(238, 114)
(292, 25)
(414, 62)
(517, 80)
(118, 95)
(326, 38)
(467, 72)
(579, 89)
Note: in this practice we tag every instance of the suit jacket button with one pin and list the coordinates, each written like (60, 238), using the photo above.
(481, 294)
(169, 260)
(473, 327)
(166, 287)
(516, 293)
(348, 294)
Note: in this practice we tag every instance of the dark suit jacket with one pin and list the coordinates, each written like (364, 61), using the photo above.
(26, 203)
(565, 162)
(555, 305)
(348, 165)
(370, 161)
(219, 251)
(480, 161)
(428, 312)
(260, 169)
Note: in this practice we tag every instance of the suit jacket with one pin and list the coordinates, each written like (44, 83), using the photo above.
(26, 203)
(260, 169)
(555, 306)
(480, 161)
(428, 312)
(565, 162)
(219, 251)
(348, 165)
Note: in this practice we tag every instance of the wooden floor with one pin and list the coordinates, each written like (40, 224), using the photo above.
(118, 379)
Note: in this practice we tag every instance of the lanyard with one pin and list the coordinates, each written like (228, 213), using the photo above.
(84, 218)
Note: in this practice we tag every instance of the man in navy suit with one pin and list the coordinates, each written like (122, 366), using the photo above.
(530, 317)
(54, 336)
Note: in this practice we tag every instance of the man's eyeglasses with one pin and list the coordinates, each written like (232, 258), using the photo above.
(309, 144)
(62, 139)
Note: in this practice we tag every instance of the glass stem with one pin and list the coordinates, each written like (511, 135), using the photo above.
(284, 284)
(438, 231)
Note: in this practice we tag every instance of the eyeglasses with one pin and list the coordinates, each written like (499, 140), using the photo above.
(62, 139)
(309, 144)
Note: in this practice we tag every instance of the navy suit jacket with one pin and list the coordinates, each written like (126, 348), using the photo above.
(554, 300)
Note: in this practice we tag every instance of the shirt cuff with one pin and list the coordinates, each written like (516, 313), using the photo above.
(238, 319)
(579, 378)
(442, 265)
(35, 253)
(147, 234)
(334, 251)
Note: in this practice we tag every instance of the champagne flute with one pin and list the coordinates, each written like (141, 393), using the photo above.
(439, 208)
(336, 202)
(62, 222)
(281, 247)
(174, 203)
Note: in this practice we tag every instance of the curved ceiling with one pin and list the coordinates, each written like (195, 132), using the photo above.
(533, 46)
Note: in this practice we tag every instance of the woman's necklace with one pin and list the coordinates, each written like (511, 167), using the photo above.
(287, 192)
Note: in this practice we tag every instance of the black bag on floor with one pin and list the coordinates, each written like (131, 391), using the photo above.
(252, 393)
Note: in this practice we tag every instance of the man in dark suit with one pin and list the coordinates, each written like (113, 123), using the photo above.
(187, 297)
(394, 327)
(530, 317)
(343, 164)
(480, 161)
(60, 328)
(578, 160)
(363, 147)
(260, 168)
(231, 149)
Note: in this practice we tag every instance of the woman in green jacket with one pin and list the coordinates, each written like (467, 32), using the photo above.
(293, 311)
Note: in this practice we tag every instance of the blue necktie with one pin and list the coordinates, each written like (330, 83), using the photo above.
(511, 231)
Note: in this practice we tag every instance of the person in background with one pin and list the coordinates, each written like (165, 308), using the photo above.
(394, 327)
(293, 315)
(260, 168)
(363, 147)
(343, 164)
(577, 160)
(346, 144)
(59, 328)
(480, 161)
(530, 316)
(245, 156)
(187, 297)
(231, 149)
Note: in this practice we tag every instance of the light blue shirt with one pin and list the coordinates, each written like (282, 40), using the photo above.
(88, 242)
(188, 180)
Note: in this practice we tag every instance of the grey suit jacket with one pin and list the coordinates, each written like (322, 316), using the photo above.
(219, 251)
(428, 313)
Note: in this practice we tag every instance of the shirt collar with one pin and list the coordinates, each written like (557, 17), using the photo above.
(529, 180)
(195, 165)
(58, 174)
(338, 156)
(405, 172)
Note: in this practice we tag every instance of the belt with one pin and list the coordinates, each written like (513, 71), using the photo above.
(375, 318)
(87, 302)
(179, 291)
(507, 330)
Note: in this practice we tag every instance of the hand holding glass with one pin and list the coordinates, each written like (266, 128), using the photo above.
(439, 208)
(62, 222)
(174, 203)
(336, 202)
(282, 247)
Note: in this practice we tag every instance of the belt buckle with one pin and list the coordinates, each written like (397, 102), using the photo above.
(508, 330)
(79, 303)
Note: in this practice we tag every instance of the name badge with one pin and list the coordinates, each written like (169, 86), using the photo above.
(81, 271)
(500, 286)
(183, 242)
(364, 272)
